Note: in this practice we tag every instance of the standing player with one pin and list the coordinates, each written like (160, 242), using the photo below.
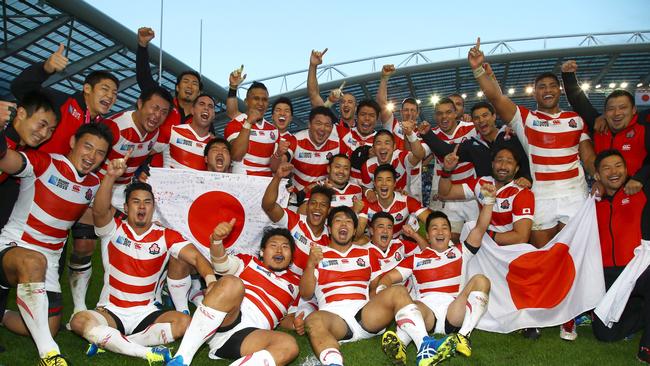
(240, 311)
(134, 254)
(555, 142)
(402, 207)
(55, 192)
(448, 301)
(344, 277)
(512, 215)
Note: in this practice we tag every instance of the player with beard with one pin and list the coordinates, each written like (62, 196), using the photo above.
(343, 277)
(338, 180)
(236, 317)
(347, 101)
(182, 145)
(438, 271)
(55, 192)
(512, 216)
(217, 155)
(402, 207)
(135, 252)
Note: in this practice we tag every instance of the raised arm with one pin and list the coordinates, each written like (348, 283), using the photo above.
(142, 68)
(315, 59)
(308, 279)
(417, 151)
(222, 263)
(446, 189)
(475, 237)
(576, 96)
(32, 78)
(503, 105)
(272, 209)
(234, 81)
(382, 95)
(102, 209)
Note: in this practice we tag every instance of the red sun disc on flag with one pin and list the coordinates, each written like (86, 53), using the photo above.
(211, 208)
(541, 279)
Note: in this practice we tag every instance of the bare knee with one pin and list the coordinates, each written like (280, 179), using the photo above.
(178, 269)
(283, 348)
(32, 267)
(80, 321)
(179, 325)
(480, 283)
(83, 247)
(229, 290)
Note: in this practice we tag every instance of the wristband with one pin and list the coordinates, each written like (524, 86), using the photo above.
(489, 200)
(380, 288)
(215, 242)
(247, 125)
(328, 104)
(209, 279)
(413, 137)
(478, 72)
(232, 92)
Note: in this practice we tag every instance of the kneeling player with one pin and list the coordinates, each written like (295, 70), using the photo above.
(240, 310)
(438, 272)
(342, 276)
(134, 254)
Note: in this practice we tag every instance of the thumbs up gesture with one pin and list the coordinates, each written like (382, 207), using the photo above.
(56, 62)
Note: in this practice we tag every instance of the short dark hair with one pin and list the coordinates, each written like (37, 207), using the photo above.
(339, 155)
(545, 75)
(256, 85)
(381, 215)
(271, 231)
(620, 93)
(283, 100)
(321, 189)
(201, 96)
(349, 212)
(156, 90)
(369, 103)
(437, 215)
(96, 76)
(384, 132)
(214, 141)
(445, 100)
(322, 110)
(410, 100)
(137, 186)
(100, 130)
(189, 72)
(385, 168)
(480, 105)
(514, 153)
(34, 101)
(605, 154)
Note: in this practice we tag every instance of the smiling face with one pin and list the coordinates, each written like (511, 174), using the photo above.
(446, 117)
(385, 185)
(35, 129)
(484, 121)
(203, 112)
(87, 153)
(366, 120)
(383, 146)
(258, 99)
(339, 171)
(151, 114)
(612, 173)
(100, 97)
(276, 254)
(139, 209)
(619, 112)
(348, 106)
(317, 207)
(547, 94)
(342, 229)
(439, 234)
(382, 232)
(504, 166)
(320, 129)
(218, 159)
(409, 111)
(282, 116)
(188, 88)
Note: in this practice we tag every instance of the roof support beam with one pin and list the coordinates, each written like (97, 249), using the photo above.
(82, 64)
(605, 70)
(24, 40)
(409, 81)
(364, 87)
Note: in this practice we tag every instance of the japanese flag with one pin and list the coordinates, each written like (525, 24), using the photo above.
(194, 202)
(642, 97)
(542, 287)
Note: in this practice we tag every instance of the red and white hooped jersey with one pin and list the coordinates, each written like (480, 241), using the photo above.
(272, 293)
(303, 236)
(261, 146)
(182, 148)
(401, 209)
(350, 142)
(345, 196)
(345, 277)
(133, 263)
(437, 272)
(513, 203)
(397, 251)
(288, 136)
(464, 172)
(399, 161)
(395, 127)
(52, 197)
(127, 137)
(552, 143)
(310, 161)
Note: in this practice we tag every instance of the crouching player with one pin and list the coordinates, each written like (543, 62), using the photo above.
(439, 272)
(342, 276)
(240, 311)
(134, 253)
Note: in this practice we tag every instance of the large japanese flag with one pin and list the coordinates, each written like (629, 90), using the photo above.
(542, 287)
(194, 202)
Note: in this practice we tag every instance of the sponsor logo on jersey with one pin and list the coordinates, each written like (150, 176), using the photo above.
(573, 123)
(139, 146)
(505, 204)
(301, 238)
(264, 270)
(123, 240)
(626, 147)
(74, 112)
(304, 155)
(182, 141)
(154, 249)
(127, 147)
(58, 182)
(423, 263)
(538, 123)
(361, 262)
(557, 122)
(329, 262)
(625, 201)
(76, 188)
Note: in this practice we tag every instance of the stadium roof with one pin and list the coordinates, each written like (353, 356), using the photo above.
(31, 30)
(605, 60)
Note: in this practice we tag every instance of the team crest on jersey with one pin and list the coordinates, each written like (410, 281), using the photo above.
(122, 240)
(505, 204)
(399, 217)
(154, 249)
(361, 262)
(291, 288)
(538, 123)
(329, 155)
(573, 123)
(272, 134)
(398, 256)
(630, 134)
(625, 201)
(89, 194)
(423, 263)
(626, 147)
(450, 254)
(58, 182)
(74, 112)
